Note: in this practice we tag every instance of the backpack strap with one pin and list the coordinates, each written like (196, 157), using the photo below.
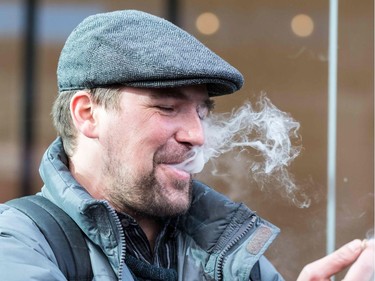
(61, 232)
(255, 272)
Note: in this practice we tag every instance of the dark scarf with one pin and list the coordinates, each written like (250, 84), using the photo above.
(143, 271)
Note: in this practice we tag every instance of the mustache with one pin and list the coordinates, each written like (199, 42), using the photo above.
(168, 154)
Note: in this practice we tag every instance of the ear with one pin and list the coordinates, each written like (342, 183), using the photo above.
(83, 114)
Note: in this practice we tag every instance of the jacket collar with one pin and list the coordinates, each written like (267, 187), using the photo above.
(95, 217)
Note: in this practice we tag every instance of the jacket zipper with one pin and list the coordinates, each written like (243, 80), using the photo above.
(234, 241)
(122, 238)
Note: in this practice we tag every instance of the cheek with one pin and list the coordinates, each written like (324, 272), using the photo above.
(138, 139)
(154, 131)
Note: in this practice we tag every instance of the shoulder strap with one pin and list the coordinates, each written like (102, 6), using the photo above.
(255, 272)
(62, 233)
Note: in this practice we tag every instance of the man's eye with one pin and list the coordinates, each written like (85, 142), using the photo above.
(165, 108)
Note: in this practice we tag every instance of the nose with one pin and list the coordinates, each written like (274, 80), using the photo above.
(191, 130)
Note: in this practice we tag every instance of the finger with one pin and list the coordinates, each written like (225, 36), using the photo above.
(363, 268)
(328, 266)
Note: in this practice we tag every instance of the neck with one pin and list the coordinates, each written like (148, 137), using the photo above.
(84, 166)
(151, 226)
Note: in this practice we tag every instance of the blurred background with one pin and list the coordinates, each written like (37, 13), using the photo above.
(280, 46)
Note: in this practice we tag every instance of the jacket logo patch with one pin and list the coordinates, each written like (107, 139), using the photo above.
(259, 239)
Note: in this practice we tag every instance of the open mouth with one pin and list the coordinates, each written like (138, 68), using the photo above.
(193, 164)
(172, 171)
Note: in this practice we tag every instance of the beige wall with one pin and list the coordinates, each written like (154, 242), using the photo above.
(255, 36)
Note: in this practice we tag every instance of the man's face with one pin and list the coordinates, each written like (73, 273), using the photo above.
(154, 130)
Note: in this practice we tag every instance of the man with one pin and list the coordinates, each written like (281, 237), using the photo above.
(133, 91)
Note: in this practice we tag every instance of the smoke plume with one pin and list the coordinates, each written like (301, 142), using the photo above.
(270, 135)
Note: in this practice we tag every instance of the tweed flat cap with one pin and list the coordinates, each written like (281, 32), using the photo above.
(136, 49)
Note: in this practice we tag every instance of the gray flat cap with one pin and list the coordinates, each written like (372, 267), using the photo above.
(136, 49)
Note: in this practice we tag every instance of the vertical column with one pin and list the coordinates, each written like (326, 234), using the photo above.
(172, 11)
(28, 96)
(332, 126)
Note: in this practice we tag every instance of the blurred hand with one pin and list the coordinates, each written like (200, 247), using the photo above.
(363, 267)
(356, 253)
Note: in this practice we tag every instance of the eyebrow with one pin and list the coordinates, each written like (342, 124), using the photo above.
(176, 94)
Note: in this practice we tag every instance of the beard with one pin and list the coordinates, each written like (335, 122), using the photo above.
(145, 194)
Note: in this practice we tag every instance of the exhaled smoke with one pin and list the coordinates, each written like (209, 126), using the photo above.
(269, 132)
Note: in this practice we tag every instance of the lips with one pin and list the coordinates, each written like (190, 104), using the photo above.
(187, 160)
(195, 163)
(172, 172)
